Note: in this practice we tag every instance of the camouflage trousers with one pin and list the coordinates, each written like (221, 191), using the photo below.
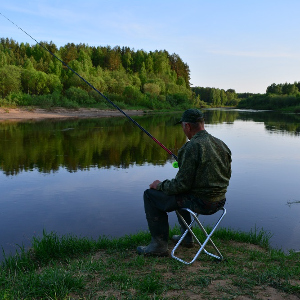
(157, 204)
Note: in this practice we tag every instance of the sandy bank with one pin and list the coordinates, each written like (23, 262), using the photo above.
(21, 114)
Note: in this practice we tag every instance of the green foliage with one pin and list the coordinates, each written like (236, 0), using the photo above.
(50, 247)
(151, 88)
(216, 97)
(79, 96)
(133, 95)
(270, 101)
(284, 89)
(180, 100)
(10, 80)
(278, 96)
(67, 103)
(155, 80)
(39, 83)
(138, 77)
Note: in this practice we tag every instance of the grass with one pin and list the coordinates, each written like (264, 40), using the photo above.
(68, 267)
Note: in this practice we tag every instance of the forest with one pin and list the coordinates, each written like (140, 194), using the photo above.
(216, 97)
(29, 75)
(283, 96)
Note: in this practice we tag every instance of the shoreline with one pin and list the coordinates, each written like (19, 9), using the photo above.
(69, 267)
(25, 114)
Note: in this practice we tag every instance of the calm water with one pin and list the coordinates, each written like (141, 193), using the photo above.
(87, 177)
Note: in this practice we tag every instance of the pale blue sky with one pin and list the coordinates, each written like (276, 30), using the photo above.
(241, 44)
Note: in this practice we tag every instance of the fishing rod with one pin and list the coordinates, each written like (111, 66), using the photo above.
(107, 99)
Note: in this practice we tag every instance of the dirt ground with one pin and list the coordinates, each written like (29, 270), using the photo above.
(20, 114)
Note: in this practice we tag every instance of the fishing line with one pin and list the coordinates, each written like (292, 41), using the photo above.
(89, 84)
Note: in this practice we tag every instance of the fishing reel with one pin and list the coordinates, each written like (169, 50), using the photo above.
(175, 164)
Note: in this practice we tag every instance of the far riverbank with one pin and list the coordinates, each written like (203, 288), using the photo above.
(19, 114)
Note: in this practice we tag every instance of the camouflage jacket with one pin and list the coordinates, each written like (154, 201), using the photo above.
(204, 169)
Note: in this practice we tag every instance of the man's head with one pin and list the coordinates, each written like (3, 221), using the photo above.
(192, 121)
(192, 115)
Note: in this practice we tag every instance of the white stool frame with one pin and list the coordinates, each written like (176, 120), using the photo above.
(202, 245)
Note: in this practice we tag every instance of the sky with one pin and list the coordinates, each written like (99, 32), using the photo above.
(245, 45)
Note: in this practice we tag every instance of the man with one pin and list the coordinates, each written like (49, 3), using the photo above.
(200, 184)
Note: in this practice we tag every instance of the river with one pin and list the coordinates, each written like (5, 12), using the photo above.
(86, 177)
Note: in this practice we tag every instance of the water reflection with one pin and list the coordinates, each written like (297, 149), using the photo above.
(274, 121)
(82, 144)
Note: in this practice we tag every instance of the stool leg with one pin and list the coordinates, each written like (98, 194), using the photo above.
(202, 245)
(184, 218)
(208, 236)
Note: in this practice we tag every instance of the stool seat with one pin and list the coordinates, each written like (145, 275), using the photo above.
(195, 218)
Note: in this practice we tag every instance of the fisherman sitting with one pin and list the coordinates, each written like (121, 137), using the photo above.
(200, 184)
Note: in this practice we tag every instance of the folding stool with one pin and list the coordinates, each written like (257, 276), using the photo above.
(194, 216)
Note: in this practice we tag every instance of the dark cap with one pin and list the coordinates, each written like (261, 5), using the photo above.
(191, 116)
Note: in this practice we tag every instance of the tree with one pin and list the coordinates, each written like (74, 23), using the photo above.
(231, 94)
(274, 89)
(223, 97)
(181, 81)
(127, 59)
(215, 97)
(143, 74)
(10, 80)
(39, 83)
(151, 88)
(108, 69)
(161, 63)
(149, 64)
(113, 59)
(55, 67)
(138, 60)
(97, 57)
(132, 94)
(3, 58)
(181, 69)
(68, 53)
(77, 95)
(86, 61)
(289, 89)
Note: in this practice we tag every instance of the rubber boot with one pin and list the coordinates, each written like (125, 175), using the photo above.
(158, 246)
(188, 240)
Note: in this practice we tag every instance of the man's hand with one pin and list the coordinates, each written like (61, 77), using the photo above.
(154, 184)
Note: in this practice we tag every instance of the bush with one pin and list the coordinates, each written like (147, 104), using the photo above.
(117, 100)
(67, 103)
(20, 99)
(7, 103)
(179, 99)
(78, 95)
(269, 101)
(153, 102)
(97, 98)
(152, 88)
(44, 101)
(132, 95)
(10, 80)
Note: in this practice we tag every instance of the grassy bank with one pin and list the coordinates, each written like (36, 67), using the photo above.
(69, 267)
